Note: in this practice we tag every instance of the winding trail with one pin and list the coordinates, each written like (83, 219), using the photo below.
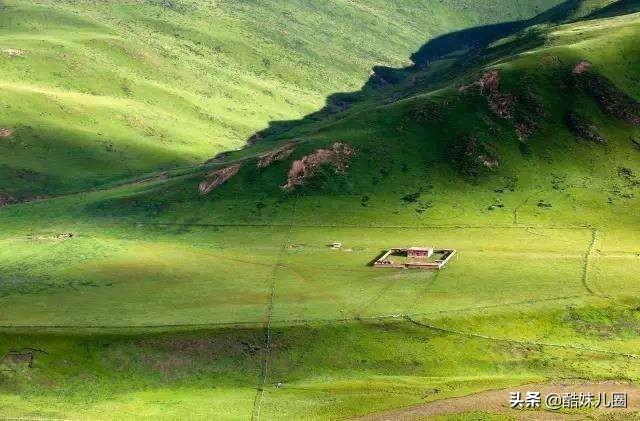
(497, 402)
(587, 261)
(266, 361)
(521, 341)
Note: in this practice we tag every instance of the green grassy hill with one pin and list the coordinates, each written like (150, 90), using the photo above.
(96, 92)
(519, 146)
(412, 136)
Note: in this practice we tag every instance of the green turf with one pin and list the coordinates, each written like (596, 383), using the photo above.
(112, 90)
(168, 304)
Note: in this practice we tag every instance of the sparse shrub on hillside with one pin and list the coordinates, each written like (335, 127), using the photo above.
(522, 109)
(625, 192)
(385, 171)
(605, 322)
(151, 204)
(583, 128)
(629, 176)
(525, 149)
(510, 184)
(411, 198)
(414, 199)
(497, 204)
(544, 204)
(626, 173)
(473, 157)
(611, 99)
(6, 199)
(424, 206)
(426, 112)
(529, 110)
(325, 179)
(380, 157)
(559, 182)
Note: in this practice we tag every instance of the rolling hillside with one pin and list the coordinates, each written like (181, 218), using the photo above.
(99, 92)
(552, 109)
(178, 289)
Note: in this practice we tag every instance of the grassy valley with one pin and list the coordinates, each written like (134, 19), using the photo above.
(155, 281)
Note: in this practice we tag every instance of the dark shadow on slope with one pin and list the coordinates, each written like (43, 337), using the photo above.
(386, 83)
(621, 7)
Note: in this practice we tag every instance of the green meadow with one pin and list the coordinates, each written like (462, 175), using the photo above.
(138, 297)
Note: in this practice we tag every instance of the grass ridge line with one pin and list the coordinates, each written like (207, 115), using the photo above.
(290, 321)
(369, 226)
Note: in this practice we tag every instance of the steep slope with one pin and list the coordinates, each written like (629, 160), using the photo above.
(96, 92)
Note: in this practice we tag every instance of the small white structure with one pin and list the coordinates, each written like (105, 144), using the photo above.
(419, 252)
(336, 246)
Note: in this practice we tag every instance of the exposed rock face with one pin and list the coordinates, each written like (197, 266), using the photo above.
(490, 82)
(501, 104)
(521, 111)
(339, 156)
(218, 177)
(526, 129)
(581, 67)
(274, 155)
(5, 133)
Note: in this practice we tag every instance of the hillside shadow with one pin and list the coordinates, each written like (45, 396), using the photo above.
(461, 47)
(621, 7)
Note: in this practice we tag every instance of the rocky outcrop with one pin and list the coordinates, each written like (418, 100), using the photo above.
(218, 177)
(275, 155)
(5, 133)
(581, 67)
(339, 156)
(500, 103)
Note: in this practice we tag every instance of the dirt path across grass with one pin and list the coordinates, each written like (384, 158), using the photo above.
(497, 402)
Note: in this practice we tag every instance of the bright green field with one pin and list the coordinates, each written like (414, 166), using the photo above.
(167, 304)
